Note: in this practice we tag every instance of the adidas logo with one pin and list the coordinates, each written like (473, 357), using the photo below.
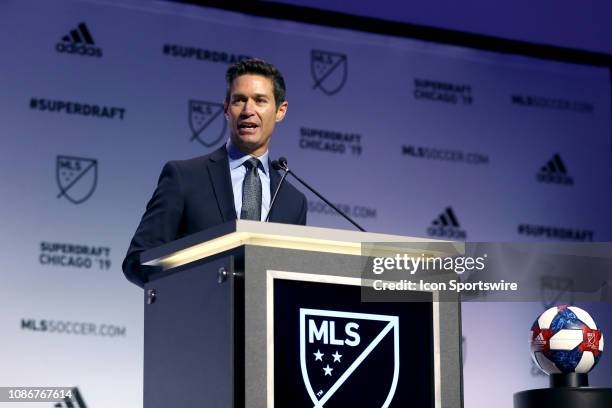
(446, 225)
(539, 340)
(79, 41)
(555, 172)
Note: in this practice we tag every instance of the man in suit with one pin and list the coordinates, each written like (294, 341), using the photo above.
(235, 181)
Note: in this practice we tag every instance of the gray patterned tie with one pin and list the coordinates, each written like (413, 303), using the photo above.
(251, 192)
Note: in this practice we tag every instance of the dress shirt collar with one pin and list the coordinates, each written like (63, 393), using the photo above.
(237, 158)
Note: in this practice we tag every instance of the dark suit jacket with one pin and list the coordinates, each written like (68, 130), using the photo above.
(196, 194)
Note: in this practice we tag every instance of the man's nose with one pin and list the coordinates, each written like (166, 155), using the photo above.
(248, 108)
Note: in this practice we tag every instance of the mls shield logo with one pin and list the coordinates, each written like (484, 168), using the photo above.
(76, 177)
(329, 70)
(347, 357)
(204, 115)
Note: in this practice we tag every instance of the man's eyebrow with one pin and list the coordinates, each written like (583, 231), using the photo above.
(257, 95)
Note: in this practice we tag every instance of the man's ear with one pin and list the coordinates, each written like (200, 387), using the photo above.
(225, 107)
(281, 111)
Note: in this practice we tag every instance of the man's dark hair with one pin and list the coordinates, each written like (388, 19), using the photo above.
(256, 66)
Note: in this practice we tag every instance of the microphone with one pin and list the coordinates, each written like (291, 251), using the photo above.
(281, 164)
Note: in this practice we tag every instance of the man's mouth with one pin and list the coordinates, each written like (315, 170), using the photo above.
(247, 127)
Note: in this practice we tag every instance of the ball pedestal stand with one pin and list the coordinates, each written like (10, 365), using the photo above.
(566, 391)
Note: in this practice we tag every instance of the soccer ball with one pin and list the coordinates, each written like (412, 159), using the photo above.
(565, 339)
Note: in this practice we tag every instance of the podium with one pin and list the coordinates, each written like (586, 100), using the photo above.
(250, 314)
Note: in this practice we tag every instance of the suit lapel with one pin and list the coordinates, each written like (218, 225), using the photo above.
(218, 170)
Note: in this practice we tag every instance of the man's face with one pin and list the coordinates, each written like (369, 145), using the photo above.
(251, 113)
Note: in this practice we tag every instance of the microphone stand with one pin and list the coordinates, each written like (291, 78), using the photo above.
(280, 183)
(281, 164)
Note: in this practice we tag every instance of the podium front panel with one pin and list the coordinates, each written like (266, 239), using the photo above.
(293, 295)
(331, 349)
